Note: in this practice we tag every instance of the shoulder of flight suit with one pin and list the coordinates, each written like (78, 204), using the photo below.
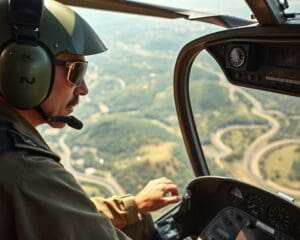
(12, 139)
(121, 210)
(47, 201)
(52, 205)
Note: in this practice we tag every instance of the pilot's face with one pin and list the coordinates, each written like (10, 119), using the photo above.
(64, 95)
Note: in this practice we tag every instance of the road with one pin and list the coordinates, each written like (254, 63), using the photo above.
(110, 183)
(223, 149)
(254, 167)
(250, 169)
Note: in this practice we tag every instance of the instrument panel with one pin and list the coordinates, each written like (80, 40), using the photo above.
(215, 208)
(270, 66)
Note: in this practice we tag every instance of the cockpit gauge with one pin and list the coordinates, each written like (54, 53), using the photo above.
(237, 57)
(278, 217)
(255, 204)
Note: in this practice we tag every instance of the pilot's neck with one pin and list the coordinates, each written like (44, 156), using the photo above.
(31, 116)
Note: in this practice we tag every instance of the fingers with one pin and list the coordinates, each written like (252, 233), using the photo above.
(171, 199)
(171, 194)
(163, 180)
(166, 186)
(156, 194)
(171, 188)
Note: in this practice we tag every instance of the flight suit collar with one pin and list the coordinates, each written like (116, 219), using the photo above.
(30, 136)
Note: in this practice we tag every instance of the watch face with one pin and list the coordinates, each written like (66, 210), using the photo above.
(237, 57)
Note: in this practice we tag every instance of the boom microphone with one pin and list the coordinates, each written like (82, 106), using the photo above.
(72, 121)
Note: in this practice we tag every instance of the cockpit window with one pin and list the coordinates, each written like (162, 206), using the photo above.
(249, 135)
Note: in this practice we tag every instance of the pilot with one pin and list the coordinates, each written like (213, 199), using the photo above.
(42, 65)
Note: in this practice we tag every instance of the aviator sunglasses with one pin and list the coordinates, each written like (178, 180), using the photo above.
(76, 70)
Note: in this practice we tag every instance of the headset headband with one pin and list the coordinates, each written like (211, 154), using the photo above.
(26, 67)
(25, 17)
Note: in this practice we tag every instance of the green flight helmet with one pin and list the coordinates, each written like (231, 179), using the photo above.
(27, 66)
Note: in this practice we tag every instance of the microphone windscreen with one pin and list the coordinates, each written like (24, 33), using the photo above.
(75, 123)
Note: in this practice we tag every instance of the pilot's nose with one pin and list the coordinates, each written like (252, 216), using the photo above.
(81, 89)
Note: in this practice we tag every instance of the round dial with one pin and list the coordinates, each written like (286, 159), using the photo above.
(237, 57)
(279, 217)
(255, 204)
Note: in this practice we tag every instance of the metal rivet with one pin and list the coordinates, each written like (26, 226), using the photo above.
(55, 45)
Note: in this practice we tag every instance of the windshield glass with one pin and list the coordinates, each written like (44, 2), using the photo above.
(246, 134)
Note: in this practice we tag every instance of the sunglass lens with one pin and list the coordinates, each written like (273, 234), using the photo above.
(78, 72)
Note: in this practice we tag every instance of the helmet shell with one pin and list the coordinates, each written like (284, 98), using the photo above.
(61, 30)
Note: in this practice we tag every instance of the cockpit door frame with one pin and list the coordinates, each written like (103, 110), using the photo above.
(184, 110)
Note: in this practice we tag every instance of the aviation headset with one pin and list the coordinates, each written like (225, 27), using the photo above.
(26, 65)
(31, 35)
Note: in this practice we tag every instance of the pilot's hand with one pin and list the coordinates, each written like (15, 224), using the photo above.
(156, 194)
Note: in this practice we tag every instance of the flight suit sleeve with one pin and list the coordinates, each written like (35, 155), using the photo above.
(49, 204)
(121, 210)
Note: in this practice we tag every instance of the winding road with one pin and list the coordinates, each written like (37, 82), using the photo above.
(254, 167)
(258, 147)
(110, 183)
(248, 170)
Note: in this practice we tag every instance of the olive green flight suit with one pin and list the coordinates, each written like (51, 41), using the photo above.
(40, 200)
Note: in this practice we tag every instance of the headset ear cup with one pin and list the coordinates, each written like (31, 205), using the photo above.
(25, 75)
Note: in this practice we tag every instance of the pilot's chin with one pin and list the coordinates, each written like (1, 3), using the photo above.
(57, 124)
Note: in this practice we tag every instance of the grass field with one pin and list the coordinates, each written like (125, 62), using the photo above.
(273, 162)
(239, 140)
(156, 155)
